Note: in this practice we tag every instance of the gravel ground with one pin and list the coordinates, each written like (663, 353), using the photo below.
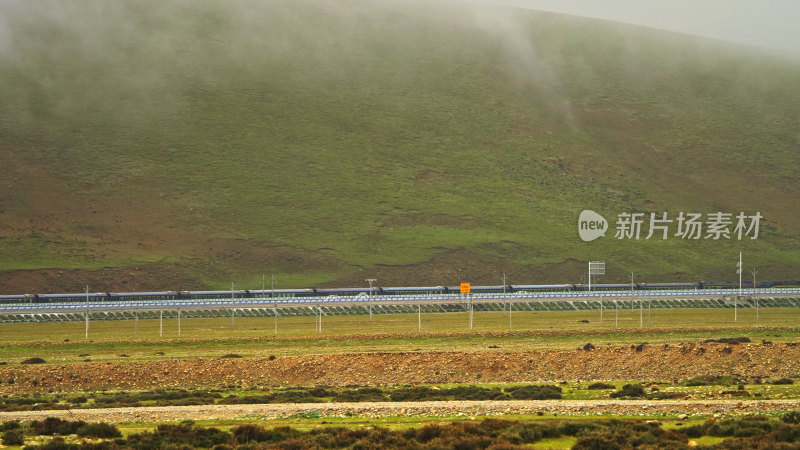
(645, 363)
(448, 408)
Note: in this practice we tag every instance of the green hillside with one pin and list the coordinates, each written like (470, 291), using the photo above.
(173, 146)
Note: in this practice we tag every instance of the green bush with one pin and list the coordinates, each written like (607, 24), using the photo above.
(10, 425)
(629, 390)
(54, 425)
(711, 380)
(33, 361)
(600, 385)
(367, 394)
(180, 435)
(99, 430)
(792, 417)
(13, 437)
(534, 392)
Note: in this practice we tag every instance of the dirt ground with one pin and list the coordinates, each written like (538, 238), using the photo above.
(649, 363)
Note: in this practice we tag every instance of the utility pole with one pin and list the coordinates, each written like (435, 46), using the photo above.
(369, 296)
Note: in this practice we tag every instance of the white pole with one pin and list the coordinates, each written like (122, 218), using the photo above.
(161, 323)
(631, 291)
(504, 294)
(510, 305)
(272, 294)
(736, 298)
(755, 292)
(233, 310)
(616, 310)
(87, 312)
(470, 312)
(369, 297)
(179, 322)
(419, 316)
(136, 324)
(590, 276)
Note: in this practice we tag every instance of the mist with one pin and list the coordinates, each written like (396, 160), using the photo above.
(137, 59)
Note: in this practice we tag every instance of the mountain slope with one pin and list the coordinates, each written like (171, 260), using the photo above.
(148, 146)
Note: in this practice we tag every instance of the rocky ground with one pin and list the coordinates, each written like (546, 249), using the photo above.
(645, 363)
(678, 408)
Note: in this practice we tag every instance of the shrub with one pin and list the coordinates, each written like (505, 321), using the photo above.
(535, 392)
(13, 437)
(629, 390)
(417, 393)
(782, 381)
(256, 433)
(10, 425)
(589, 346)
(472, 393)
(600, 385)
(367, 394)
(231, 355)
(54, 425)
(33, 361)
(180, 435)
(792, 417)
(99, 430)
(711, 380)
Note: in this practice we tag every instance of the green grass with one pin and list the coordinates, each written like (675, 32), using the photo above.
(384, 142)
(255, 337)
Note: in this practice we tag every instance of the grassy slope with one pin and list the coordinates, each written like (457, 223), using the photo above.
(325, 143)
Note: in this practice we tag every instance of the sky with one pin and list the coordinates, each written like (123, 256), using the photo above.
(765, 23)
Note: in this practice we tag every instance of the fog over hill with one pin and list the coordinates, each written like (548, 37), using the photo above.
(151, 145)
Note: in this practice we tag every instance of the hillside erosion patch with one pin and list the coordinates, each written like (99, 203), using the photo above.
(665, 362)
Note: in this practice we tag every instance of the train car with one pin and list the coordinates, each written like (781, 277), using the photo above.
(156, 295)
(779, 284)
(541, 287)
(411, 290)
(667, 286)
(705, 285)
(604, 287)
(76, 297)
(344, 292)
(214, 294)
(488, 289)
(19, 298)
(281, 293)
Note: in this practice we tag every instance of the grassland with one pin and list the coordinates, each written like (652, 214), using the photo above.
(255, 337)
(198, 144)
